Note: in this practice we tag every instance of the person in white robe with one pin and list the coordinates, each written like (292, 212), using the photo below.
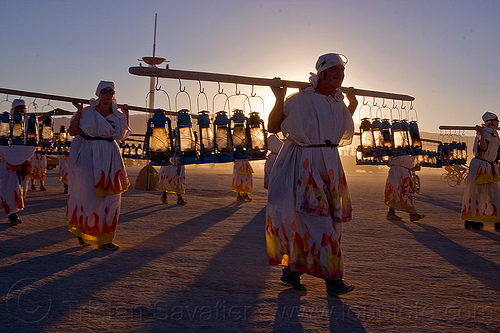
(15, 169)
(308, 198)
(481, 201)
(399, 188)
(242, 182)
(96, 175)
(172, 179)
(38, 170)
(274, 143)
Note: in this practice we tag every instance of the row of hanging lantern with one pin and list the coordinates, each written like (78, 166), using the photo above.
(18, 129)
(219, 137)
(381, 137)
(453, 151)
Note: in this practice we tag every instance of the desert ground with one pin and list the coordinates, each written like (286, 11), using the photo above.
(203, 267)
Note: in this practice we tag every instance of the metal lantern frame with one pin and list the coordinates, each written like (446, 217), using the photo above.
(157, 157)
(5, 120)
(414, 133)
(205, 132)
(258, 150)
(186, 151)
(239, 122)
(222, 127)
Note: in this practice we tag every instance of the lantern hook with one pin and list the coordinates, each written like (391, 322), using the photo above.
(202, 90)
(237, 92)
(253, 94)
(181, 89)
(219, 89)
(157, 85)
(34, 105)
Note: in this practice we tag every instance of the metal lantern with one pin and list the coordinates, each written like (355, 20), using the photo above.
(127, 152)
(5, 129)
(387, 136)
(207, 146)
(463, 159)
(62, 135)
(222, 137)
(239, 134)
(17, 129)
(377, 134)
(32, 131)
(158, 142)
(139, 153)
(399, 135)
(416, 143)
(367, 140)
(258, 137)
(185, 138)
(447, 153)
(440, 160)
(47, 132)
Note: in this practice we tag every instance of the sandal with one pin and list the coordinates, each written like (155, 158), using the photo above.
(338, 287)
(416, 217)
(292, 278)
(109, 247)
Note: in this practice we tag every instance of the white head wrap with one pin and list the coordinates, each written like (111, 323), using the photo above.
(18, 102)
(488, 117)
(101, 85)
(324, 62)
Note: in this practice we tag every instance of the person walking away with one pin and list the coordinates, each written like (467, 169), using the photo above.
(274, 143)
(38, 170)
(96, 175)
(399, 188)
(308, 198)
(172, 179)
(481, 201)
(242, 182)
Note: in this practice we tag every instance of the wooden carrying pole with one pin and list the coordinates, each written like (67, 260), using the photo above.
(227, 78)
(459, 128)
(71, 99)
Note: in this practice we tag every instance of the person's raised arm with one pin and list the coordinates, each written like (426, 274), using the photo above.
(74, 126)
(276, 116)
(482, 140)
(126, 113)
(353, 102)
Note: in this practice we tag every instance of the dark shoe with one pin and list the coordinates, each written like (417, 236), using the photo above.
(33, 188)
(497, 226)
(292, 278)
(109, 247)
(468, 224)
(14, 219)
(477, 225)
(393, 217)
(246, 197)
(164, 198)
(416, 217)
(240, 198)
(82, 242)
(43, 188)
(65, 188)
(338, 287)
(181, 201)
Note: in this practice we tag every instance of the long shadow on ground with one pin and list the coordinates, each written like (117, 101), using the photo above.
(23, 311)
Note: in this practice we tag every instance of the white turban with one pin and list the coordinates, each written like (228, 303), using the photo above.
(104, 84)
(18, 102)
(324, 62)
(488, 117)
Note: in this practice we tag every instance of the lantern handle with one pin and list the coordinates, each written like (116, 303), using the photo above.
(219, 92)
(403, 111)
(202, 92)
(6, 100)
(364, 103)
(262, 100)
(166, 94)
(48, 104)
(177, 95)
(395, 107)
(236, 95)
(34, 105)
(414, 111)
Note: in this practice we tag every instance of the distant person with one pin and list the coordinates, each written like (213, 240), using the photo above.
(308, 199)
(242, 182)
(63, 171)
(274, 143)
(97, 176)
(38, 170)
(399, 188)
(172, 179)
(481, 202)
(15, 169)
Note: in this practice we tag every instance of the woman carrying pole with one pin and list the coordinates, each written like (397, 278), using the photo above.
(308, 199)
(97, 175)
(481, 202)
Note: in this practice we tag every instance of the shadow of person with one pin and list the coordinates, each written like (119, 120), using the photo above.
(288, 310)
(342, 318)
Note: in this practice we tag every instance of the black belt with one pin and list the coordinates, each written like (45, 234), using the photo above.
(327, 143)
(86, 137)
